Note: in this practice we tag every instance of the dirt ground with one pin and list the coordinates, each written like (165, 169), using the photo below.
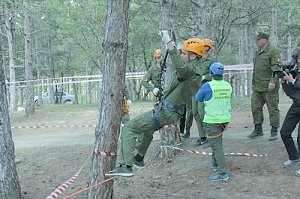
(50, 156)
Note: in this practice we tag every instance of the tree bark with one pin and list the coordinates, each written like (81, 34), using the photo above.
(10, 30)
(109, 121)
(274, 27)
(167, 133)
(9, 182)
(29, 104)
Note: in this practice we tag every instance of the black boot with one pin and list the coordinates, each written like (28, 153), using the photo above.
(186, 135)
(257, 132)
(274, 133)
(138, 161)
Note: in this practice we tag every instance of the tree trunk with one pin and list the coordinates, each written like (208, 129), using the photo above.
(10, 30)
(29, 104)
(167, 133)
(274, 27)
(289, 47)
(169, 137)
(51, 71)
(9, 182)
(37, 60)
(109, 121)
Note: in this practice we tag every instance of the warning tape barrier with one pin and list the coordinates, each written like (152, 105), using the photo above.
(104, 154)
(95, 185)
(52, 126)
(209, 153)
(60, 190)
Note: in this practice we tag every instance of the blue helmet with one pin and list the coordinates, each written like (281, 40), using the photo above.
(217, 68)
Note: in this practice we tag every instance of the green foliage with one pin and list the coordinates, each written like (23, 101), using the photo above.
(76, 30)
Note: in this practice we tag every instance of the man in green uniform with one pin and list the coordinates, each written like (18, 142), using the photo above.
(153, 74)
(198, 107)
(184, 84)
(265, 86)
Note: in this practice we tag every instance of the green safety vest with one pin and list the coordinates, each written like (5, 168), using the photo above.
(218, 108)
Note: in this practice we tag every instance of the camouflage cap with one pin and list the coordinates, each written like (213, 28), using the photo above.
(262, 35)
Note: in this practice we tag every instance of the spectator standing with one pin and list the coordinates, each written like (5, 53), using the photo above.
(265, 86)
(291, 87)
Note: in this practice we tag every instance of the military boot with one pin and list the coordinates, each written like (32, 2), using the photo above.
(274, 133)
(257, 132)
(186, 135)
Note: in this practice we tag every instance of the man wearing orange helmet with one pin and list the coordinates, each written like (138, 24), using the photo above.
(198, 107)
(153, 74)
(184, 84)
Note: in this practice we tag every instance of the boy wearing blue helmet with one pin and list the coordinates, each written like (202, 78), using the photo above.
(216, 96)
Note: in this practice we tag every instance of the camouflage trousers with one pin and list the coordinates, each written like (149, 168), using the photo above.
(198, 113)
(142, 124)
(258, 100)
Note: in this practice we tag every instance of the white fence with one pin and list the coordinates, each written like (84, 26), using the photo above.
(240, 77)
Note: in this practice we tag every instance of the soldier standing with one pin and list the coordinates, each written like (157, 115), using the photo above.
(265, 86)
(153, 74)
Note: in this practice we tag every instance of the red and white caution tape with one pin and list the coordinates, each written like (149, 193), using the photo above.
(226, 154)
(60, 190)
(52, 126)
(104, 154)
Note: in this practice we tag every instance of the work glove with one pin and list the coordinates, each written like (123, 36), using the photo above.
(155, 91)
(271, 87)
(165, 36)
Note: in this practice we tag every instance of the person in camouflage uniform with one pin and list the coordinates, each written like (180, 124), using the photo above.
(265, 86)
(198, 107)
(184, 84)
(151, 82)
(153, 73)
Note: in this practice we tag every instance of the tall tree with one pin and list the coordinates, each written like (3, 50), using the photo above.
(10, 31)
(29, 104)
(9, 182)
(109, 121)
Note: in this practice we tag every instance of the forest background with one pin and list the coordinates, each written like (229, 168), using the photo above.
(53, 45)
(64, 39)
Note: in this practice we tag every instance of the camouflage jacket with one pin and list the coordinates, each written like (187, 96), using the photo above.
(265, 63)
(153, 75)
(186, 79)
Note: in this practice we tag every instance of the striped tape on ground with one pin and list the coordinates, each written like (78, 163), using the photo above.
(60, 190)
(52, 126)
(209, 153)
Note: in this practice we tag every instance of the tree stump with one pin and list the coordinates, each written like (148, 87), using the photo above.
(169, 138)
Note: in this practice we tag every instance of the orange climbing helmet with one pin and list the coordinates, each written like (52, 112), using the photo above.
(194, 45)
(208, 42)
